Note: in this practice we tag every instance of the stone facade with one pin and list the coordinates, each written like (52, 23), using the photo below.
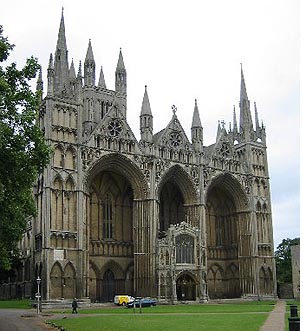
(295, 267)
(165, 216)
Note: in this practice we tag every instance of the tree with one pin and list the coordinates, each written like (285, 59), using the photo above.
(23, 150)
(283, 260)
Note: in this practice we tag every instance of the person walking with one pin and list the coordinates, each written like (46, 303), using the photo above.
(74, 306)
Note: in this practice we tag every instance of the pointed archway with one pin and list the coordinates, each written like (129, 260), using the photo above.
(226, 209)
(177, 197)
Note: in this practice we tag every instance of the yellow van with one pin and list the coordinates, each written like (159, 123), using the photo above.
(123, 300)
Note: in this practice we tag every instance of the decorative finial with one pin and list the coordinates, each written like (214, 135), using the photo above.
(174, 108)
(223, 124)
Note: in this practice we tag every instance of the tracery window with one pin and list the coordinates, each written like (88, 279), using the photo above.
(175, 139)
(185, 249)
(224, 150)
(108, 219)
(114, 128)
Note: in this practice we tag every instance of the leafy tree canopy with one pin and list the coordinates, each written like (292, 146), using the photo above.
(283, 260)
(23, 151)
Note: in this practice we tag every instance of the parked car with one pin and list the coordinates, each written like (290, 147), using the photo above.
(122, 300)
(145, 302)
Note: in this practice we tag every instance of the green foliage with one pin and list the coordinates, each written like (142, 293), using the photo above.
(23, 151)
(283, 260)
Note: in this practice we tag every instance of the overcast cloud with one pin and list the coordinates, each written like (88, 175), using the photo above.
(184, 50)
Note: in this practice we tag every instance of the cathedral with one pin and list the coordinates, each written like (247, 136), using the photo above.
(164, 216)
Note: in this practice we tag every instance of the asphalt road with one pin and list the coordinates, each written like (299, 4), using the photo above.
(21, 320)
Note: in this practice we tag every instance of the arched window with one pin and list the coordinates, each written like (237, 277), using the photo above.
(108, 218)
(185, 249)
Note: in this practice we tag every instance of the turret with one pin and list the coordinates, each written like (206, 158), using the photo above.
(72, 80)
(197, 130)
(50, 76)
(79, 83)
(89, 67)
(39, 86)
(121, 83)
(61, 67)
(146, 119)
(101, 82)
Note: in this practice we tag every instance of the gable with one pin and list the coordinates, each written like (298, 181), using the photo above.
(114, 133)
(173, 136)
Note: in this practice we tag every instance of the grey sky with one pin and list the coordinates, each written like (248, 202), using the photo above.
(184, 50)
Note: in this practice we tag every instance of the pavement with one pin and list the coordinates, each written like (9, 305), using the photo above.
(276, 319)
(22, 320)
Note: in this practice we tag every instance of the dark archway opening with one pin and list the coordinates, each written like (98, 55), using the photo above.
(171, 206)
(108, 292)
(186, 288)
(222, 216)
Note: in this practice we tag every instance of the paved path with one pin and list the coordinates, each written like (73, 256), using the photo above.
(276, 319)
(21, 320)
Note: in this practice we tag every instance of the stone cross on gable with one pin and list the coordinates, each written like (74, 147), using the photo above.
(174, 108)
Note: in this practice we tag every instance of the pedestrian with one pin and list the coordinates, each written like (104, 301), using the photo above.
(74, 306)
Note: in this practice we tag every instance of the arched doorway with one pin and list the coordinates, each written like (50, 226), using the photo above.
(108, 291)
(186, 288)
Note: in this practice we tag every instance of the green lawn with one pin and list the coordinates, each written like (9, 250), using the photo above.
(206, 317)
(18, 304)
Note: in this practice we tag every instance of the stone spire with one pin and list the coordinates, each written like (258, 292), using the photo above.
(219, 131)
(197, 130)
(235, 121)
(256, 117)
(146, 119)
(246, 126)
(145, 109)
(39, 86)
(72, 72)
(121, 83)
(61, 60)
(89, 66)
(50, 76)
(101, 82)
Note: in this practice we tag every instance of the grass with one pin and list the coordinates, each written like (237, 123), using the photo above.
(208, 317)
(18, 304)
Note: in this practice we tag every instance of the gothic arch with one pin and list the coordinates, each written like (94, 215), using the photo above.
(115, 267)
(70, 183)
(122, 165)
(233, 281)
(177, 198)
(226, 217)
(186, 286)
(57, 203)
(229, 183)
(56, 281)
(70, 158)
(215, 277)
(58, 156)
(179, 177)
(69, 281)
(94, 282)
